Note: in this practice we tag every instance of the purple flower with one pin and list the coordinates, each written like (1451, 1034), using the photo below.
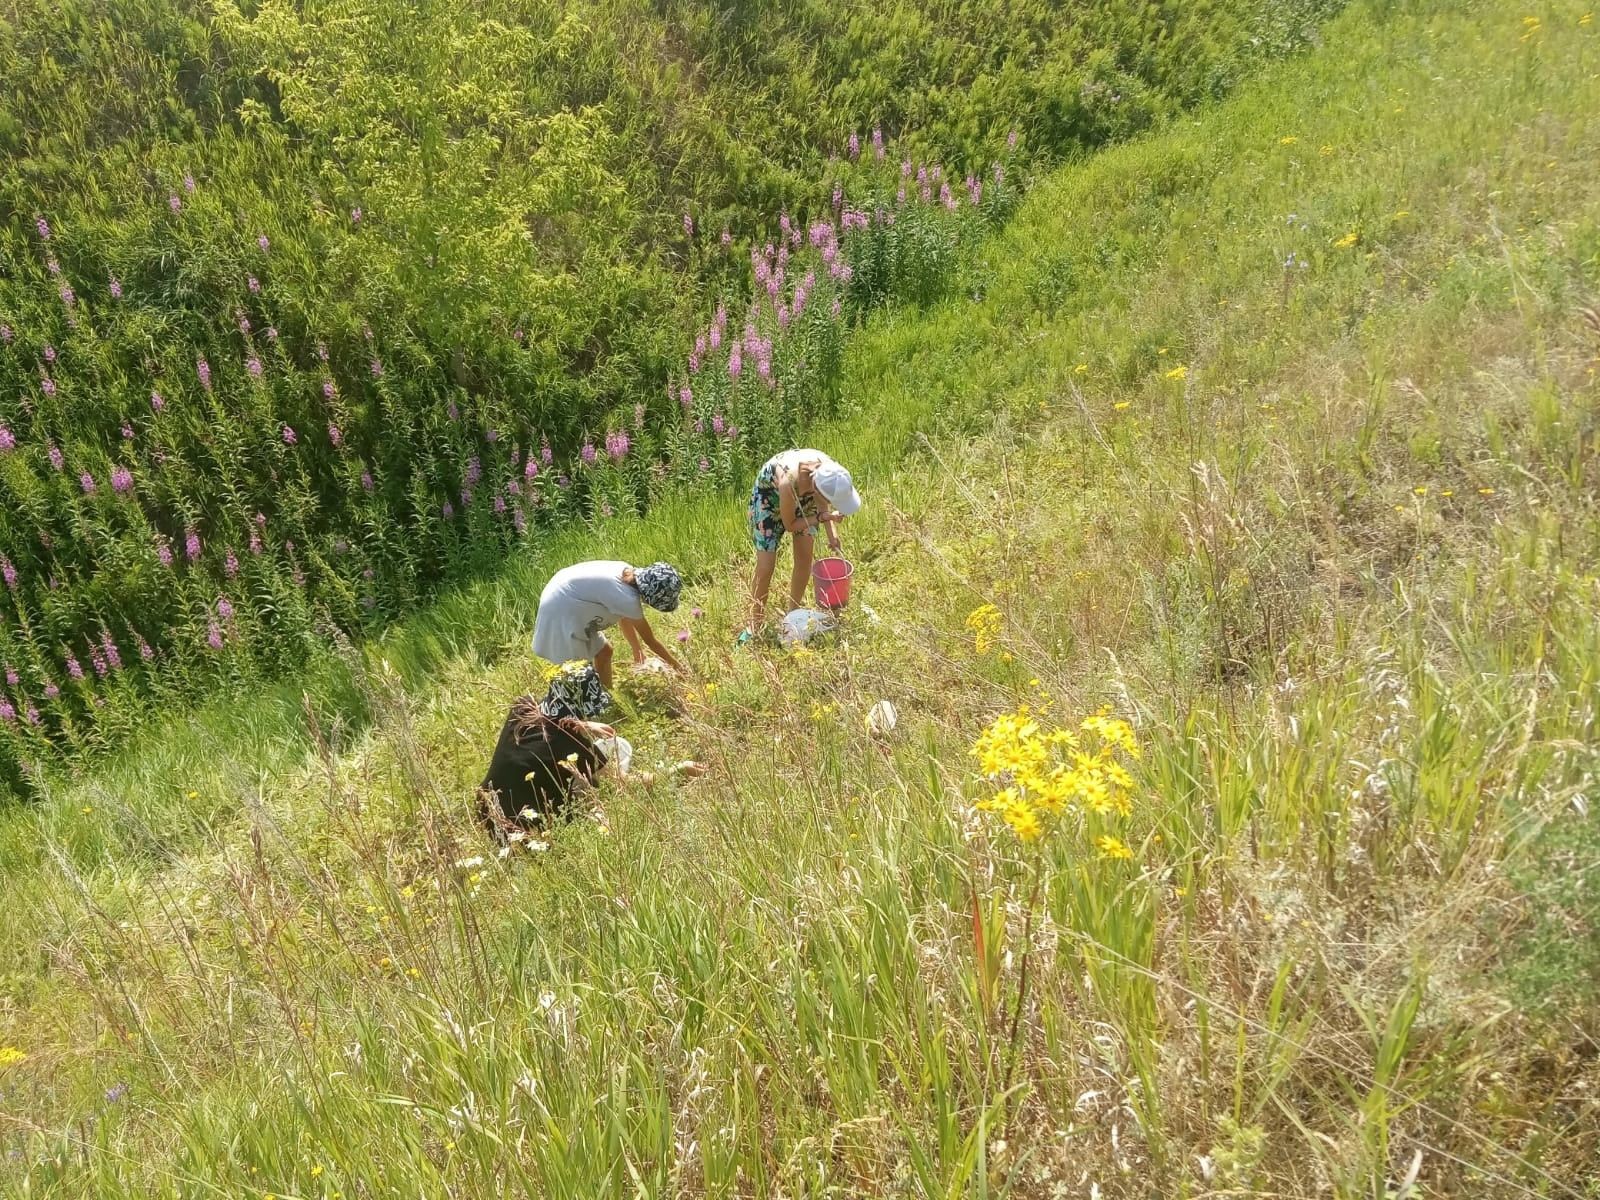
(617, 445)
(145, 652)
(355, 216)
(334, 436)
(43, 227)
(51, 689)
(451, 411)
(835, 308)
(735, 362)
(1011, 140)
(544, 452)
(999, 174)
(448, 510)
(8, 440)
(466, 497)
(588, 452)
(224, 608)
(376, 367)
(121, 480)
(783, 316)
(33, 715)
(474, 471)
(854, 147)
(518, 520)
(491, 436)
(705, 465)
(699, 426)
(499, 504)
(156, 402)
(73, 668)
(253, 365)
(255, 542)
(7, 712)
(877, 142)
(47, 386)
(11, 676)
(688, 225)
(203, 369)
(685, 397)
(67, 296)
(715, 336)
(51, 265)
(562, 481)
(191, 544)
(733, 433)
(57, 459)
(173, 202)
(214, 636)
(98, 662)
(322, 351)
(244, 322)
(366, 481)
(6, 334)
(113, 655)
(188, 183)
(116, 288)
(164, 552)
(230, 565)
(683, 634)
(116, 1092)
(727, 239)
(272, 333)
(328, 389)
(261, 520)
(264, 243)
(289, 437)
(532, 469)
(716, 423)
(127, 432)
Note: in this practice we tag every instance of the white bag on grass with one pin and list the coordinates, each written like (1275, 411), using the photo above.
(800, 626)
(618, 750)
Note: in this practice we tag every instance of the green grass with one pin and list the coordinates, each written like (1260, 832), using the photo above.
(1338, 572)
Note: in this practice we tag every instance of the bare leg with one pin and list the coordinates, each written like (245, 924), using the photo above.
(602, 666)
(802, 569)
(766, 563)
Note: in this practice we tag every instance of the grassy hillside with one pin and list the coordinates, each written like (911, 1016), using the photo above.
(308, 307)
(1275, 433)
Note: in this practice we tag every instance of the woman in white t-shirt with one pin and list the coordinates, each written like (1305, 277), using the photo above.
(795, 492)
(583, 599)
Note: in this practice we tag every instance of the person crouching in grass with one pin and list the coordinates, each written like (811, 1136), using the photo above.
(551, 750)
(583, 599)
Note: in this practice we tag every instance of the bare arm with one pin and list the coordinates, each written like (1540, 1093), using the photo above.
(640, 629)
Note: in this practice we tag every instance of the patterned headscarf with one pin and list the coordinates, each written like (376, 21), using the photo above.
(659, 585)
(576, 693)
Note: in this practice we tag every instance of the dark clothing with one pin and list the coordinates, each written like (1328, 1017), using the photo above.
(538, 764)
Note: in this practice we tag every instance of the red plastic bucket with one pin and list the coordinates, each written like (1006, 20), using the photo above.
(831, 577)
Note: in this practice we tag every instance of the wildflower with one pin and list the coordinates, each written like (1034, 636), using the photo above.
(717, 424)
(6, 334)
(355, 216)
(263, 242)
(253, 365)
(74, 668)
(116, 1092)
(12, 679)
(474, 471)
(8, 440)
(156, 402)
(230, 564)
(224, 608)
(1348, 240)
(705, 465)
(587, 453)
(164, 552)
(191, 544)
(1288, 140)
(173, 202)
(683, 636)
(499, 505)
(68, 297)
(688, 225)
(214, 636)
(1178, 372)
(335, 438)
(203, 369)
(853, 147)
(617, 445)
(532, 469)
(985, 622)
(735, 362)
(121, 480)
(727, 238)
(10, 1056)
(86, 482)
(1112, 848)
(8, 712)
(877, 143)
(447, 510)
(1121, 404)
(145, 652)
(376, 368)
(98, 662)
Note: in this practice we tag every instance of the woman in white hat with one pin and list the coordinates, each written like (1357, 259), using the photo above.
(796, 492)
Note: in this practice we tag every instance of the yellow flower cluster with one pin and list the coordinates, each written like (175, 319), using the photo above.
(10, 1056)
(984, 622)
(1042, 774)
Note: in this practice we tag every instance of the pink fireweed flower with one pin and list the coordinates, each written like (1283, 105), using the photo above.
(836, 308)
(188, 183)
(109, 645)
(116, 288)
(272, 333)
(877, 143)
(447, 510)
(253, 365)
(545, 453)
(588, 451)
(705, 465)
(376, 367)
(688, 225)
(51, 689)
(43, 227)
(51, 265)
(783, 316)
(519, 521)
(355, 216)
(8, 440)
(289, 436)
(47, 386)
(230, 565)
(173, 202)
(1011, 140)
(335, 438)
(255, 542)
(322, 351)
(499, 505)
(263, 242)
(683, 636)
(156, 402)
(532, 469)
(329, 391)
(694, 363)
(97, 660)
(68, 297)
(735, 362)
(145, 651)
(164, 552)
(6, 334)
(261, 520)
(203, 369)
(12, 679)
(224, 608)
(905, 168)
(733, 433)
(714, 337)
(127, 432)
(474, 471)
(999, 174)
(685, 397)
(366, 481)
(244, 322)
(974, 190)
(8, 572)
(57, 459)
(853, 148)
(253, 284)
(947, 197)
(700, 344)
(838, 195)
(716, 423)
(121, 480)
(214, 636)
(191, 545)
(900, 196)
(727, 239)
(74, 669)
(617, 445)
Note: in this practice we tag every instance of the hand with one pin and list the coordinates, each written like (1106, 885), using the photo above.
(599, 729)
(690, 770)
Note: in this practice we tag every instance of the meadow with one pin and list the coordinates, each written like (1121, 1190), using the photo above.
(1253, 459)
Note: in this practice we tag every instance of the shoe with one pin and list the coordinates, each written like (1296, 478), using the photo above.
(744, 638)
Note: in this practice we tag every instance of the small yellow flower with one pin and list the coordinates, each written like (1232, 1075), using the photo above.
(1121, 404)
(86, 809)
(1402, 214)
(1081, 369)
(407, 892)
(1448, 492)
(10, 1056)
(316, 1171)
(1326, 151)
(1178, 372)
(1112, 848)
(194, 795)
(413, 973)
(1420, 490)
(1348, 240)
(1586, 20)
(386, 962)
(1288, 140)
(1485, 491)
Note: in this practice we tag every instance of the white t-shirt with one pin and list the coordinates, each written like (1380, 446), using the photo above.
(577, 603)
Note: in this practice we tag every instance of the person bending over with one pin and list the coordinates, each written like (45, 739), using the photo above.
(583, 599)
(795, 492)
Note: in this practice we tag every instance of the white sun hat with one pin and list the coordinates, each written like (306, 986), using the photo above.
(834, 482)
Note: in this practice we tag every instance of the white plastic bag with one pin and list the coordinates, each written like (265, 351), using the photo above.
(618, 750)
(800, 626)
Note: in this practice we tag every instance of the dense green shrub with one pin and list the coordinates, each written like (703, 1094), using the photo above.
(308, 307)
